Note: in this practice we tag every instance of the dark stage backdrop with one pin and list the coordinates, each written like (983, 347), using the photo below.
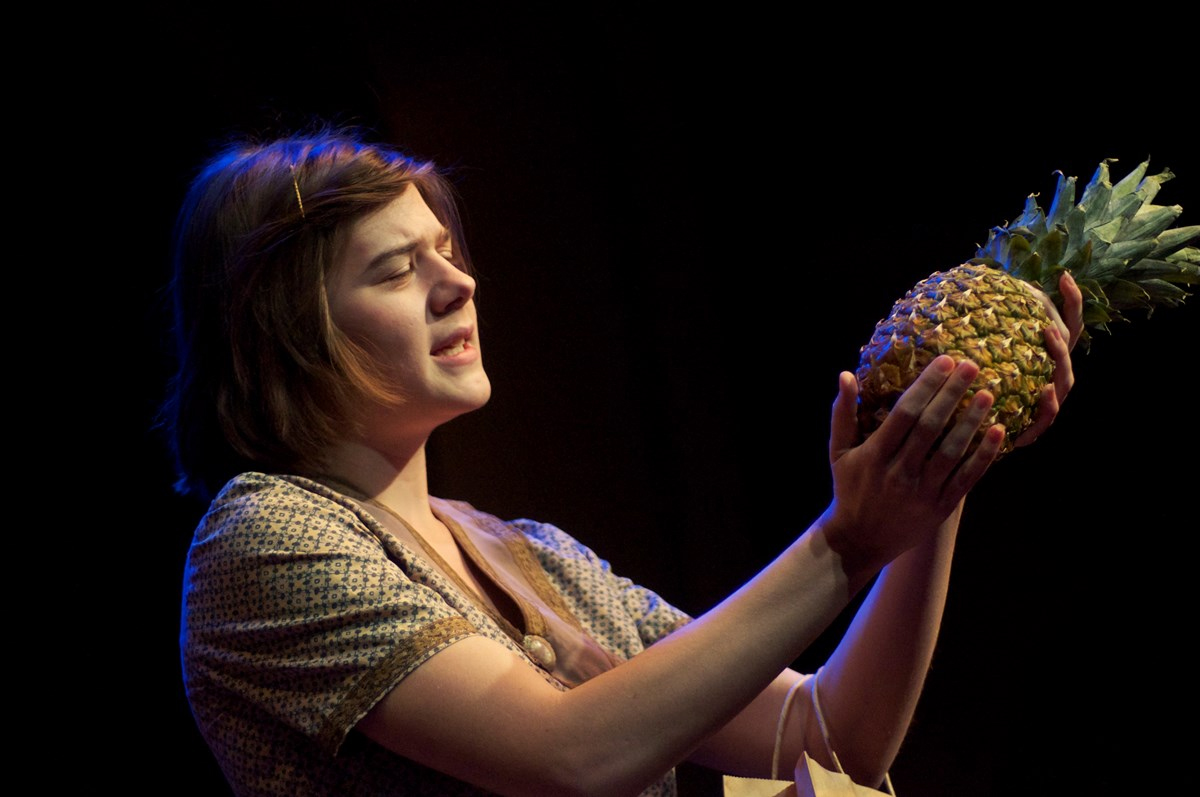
(681, 241)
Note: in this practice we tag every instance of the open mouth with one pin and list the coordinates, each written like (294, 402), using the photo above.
(457, 347)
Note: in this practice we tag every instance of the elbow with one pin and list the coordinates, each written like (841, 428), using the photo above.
(865, 767)
(864, 753)
(871, 775)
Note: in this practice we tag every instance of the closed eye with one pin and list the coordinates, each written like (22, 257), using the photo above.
(398, 274)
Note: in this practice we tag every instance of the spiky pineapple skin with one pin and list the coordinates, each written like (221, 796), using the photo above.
(973, 312)
(1120, 247)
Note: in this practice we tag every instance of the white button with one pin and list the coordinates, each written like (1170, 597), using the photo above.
(539, 650)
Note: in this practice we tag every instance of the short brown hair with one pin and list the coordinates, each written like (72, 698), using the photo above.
(263, 376)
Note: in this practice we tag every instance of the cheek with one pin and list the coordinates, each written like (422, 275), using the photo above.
(368, 323)
(395, 345)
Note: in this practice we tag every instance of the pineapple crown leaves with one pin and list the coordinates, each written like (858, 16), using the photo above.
(1118, 245)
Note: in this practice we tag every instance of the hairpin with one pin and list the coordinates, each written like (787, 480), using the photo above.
(296, 185)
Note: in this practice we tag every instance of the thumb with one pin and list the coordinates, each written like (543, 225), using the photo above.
(843, 432)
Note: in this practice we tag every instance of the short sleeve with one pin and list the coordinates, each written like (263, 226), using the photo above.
(293, 609)
(624, 616)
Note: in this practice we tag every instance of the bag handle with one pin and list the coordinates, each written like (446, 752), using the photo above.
(783, 715)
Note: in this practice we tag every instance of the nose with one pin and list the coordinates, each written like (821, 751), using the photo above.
(453, 289)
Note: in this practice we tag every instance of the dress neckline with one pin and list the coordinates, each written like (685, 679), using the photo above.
(532, 637)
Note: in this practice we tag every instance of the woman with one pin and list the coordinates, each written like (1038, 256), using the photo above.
(345, 632)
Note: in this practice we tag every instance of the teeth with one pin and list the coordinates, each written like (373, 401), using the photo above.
(457, 348)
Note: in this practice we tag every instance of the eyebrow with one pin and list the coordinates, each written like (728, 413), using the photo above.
(444, 237)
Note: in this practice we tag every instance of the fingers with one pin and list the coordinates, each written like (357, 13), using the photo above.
(976, 465)
(843, 433)
(908, 409)
(1043, 416)
(1068, 319)
(1052, 395)
(931, 425)
(1064, 372)
(932, 455)
(1072, 309)
(924, 410)
(959, 438)
(947, 470)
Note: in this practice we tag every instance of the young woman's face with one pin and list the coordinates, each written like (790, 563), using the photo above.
(396, 290)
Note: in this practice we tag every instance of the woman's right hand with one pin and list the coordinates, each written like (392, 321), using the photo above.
(895, 488)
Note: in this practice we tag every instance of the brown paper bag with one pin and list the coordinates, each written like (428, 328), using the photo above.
(758, 787)
(814, 780)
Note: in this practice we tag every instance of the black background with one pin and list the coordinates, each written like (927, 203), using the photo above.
(684, 229)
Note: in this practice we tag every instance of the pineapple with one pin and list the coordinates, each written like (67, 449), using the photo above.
(1118, 245)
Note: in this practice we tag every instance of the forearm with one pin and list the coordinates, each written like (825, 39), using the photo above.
(674, 696)
(901, 616)
(870, 686)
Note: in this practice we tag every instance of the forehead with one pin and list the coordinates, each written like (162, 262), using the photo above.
(403, 221)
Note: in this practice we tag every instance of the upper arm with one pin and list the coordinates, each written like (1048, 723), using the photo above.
(301, 618)
(479, 713)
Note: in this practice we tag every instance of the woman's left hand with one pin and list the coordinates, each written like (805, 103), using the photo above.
(1061, 338)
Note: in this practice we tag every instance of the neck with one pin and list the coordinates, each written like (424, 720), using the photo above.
(400, 482)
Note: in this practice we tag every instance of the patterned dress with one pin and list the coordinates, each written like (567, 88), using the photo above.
(303, 607)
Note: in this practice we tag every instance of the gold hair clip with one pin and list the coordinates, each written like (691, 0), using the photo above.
(296, 185)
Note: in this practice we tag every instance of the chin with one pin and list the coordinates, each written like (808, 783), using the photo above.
(478, 396)
(484, 397)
